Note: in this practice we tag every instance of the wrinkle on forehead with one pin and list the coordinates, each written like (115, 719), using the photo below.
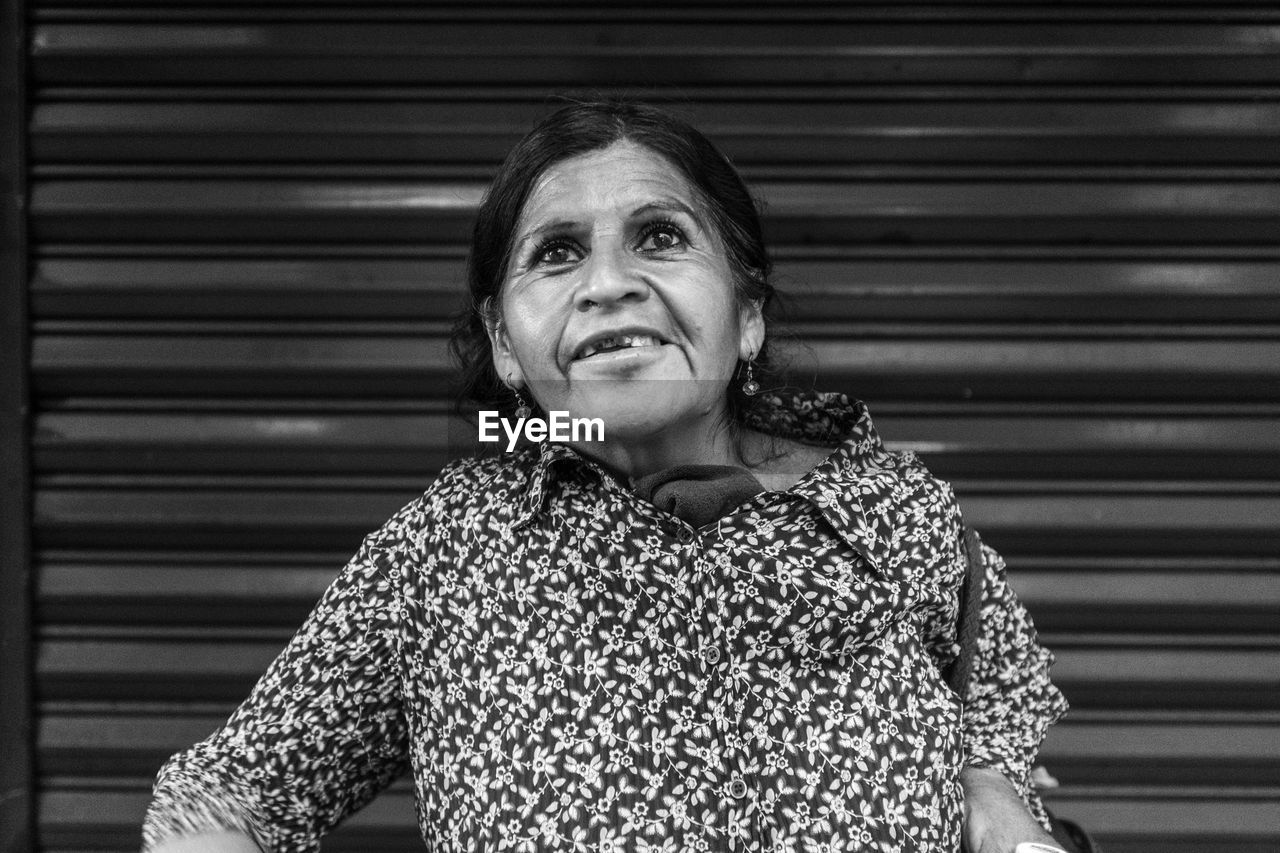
(643, 177)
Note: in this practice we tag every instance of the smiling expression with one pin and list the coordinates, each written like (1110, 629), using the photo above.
(618, 300)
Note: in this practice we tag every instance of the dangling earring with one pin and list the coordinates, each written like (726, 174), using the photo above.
(751, 387)
(522, 408)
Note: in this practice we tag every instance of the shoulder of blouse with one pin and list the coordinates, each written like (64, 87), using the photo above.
(492, 488)
(931, 497)
(883, 502)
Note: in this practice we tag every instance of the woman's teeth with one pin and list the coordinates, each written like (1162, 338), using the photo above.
(620, 342)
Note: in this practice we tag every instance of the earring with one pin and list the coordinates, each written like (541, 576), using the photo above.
(522, 408)
(751, 387)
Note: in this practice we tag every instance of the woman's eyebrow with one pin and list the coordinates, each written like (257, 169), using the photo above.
(668, 205)
(555, 225)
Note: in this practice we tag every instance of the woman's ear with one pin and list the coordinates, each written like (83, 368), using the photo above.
(504, 358)
(751, 329)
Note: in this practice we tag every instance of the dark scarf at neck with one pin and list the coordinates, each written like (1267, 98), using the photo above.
(698, 494)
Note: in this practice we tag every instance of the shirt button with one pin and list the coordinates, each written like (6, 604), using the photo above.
(738, 789)
(711, 655)
(685, 535)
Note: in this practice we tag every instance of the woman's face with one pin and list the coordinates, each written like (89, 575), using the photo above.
(618, 301)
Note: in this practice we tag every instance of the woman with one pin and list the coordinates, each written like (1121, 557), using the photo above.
(719, 627)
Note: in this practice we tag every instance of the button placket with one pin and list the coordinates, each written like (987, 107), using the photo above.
(711, 655)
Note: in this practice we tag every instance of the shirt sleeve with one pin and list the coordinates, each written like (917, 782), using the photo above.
(1010, 701)
(322, 732)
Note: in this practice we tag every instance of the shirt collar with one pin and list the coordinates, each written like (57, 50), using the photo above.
(856, 489)
(858, 486)
(548, 457)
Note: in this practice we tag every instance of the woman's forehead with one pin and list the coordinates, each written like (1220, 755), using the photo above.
(621, 180)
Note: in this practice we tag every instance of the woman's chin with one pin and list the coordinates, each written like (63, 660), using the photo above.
(636, 410)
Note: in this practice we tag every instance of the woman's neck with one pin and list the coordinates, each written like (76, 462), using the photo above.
(710, 442)
(778, 463)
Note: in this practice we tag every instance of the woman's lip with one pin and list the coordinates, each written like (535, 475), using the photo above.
(622, 357)
(620, 335)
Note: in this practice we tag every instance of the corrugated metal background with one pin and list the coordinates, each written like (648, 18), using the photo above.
(1039, 239)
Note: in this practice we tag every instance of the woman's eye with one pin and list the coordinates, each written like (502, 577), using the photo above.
(661, 236)
(555, 254)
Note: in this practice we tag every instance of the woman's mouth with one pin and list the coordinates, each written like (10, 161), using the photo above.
(616, 343)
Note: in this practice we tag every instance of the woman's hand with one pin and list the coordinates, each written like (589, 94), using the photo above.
(996, 820)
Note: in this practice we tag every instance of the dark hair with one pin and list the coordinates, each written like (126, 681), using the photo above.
(580, 128)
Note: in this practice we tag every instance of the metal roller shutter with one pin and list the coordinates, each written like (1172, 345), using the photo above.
(1039, 239)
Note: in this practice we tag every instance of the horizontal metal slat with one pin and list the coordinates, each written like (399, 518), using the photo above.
(752, 132)
(93, 745)
(403, 445)
(653, 54)
(1187, 824)
(248, 287)
(222, 211)
(158, 670)
(1155, 755)
(1096, 676)
(1185, 602)
(1116, 446)
(1162, 754)
(1063, 288)
(90, 819)
(851, 289)
(904, 93)
(280, 596)
(1112, 212)
(391, 444)
(1127, 524)
(234, 519)
(876, 370)
(353, 366)
(1083, 589)
(400, 445)
(103, 592)
(114, 748)
(745, 10)
(1043, 369)
(1075, 523)
(753, 175)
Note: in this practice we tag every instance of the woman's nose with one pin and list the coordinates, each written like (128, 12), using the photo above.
(608, 278)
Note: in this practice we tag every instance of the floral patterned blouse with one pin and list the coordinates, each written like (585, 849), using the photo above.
(563, 666)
